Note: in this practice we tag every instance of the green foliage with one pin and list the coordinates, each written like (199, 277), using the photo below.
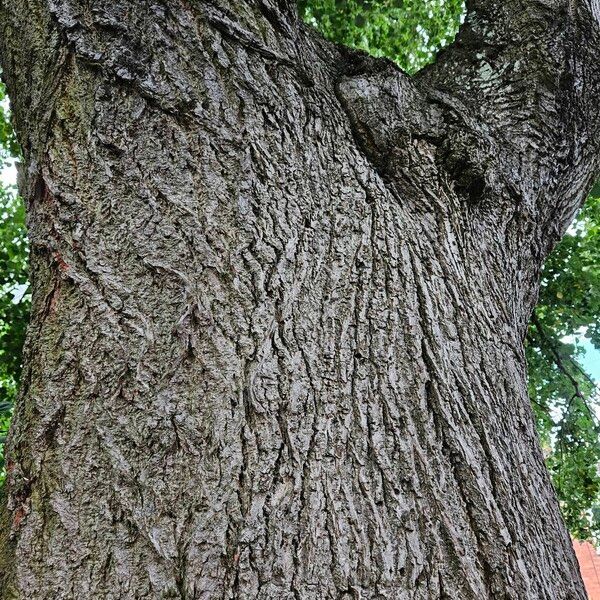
(573, 464)
(564, 397)
(14, 300)
(9, 146)
(409, 32)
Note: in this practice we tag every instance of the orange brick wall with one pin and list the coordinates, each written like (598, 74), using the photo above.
(589, 563)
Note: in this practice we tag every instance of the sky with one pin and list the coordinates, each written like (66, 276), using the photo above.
(9, 173)
(591, 360)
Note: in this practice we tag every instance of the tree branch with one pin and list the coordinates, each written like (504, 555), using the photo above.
(528, 72)
(558, 361)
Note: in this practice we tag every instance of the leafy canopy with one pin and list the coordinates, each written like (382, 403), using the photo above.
(14, 300)
(565, 398)
(410, 32)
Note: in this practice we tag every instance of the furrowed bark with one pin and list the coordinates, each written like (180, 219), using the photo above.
(279, 296)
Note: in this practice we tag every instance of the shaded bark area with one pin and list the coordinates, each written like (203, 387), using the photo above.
(280, 292)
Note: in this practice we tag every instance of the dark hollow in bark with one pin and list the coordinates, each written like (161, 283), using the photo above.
(279, 296)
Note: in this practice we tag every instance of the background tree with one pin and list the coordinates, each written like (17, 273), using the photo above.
(565, 398)
(410, 33)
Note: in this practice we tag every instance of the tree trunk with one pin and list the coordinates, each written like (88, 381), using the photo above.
(279, 296)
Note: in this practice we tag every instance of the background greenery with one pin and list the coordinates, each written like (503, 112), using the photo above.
(564, 396)
(14, 299)
(409, 31)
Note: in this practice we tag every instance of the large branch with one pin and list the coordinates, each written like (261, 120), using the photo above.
(528, 72)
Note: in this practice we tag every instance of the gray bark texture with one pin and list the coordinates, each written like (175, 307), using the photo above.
(280, 291)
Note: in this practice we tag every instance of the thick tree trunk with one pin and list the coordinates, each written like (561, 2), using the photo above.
(280, 292)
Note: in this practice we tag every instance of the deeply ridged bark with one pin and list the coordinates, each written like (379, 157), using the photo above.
(279, 296)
